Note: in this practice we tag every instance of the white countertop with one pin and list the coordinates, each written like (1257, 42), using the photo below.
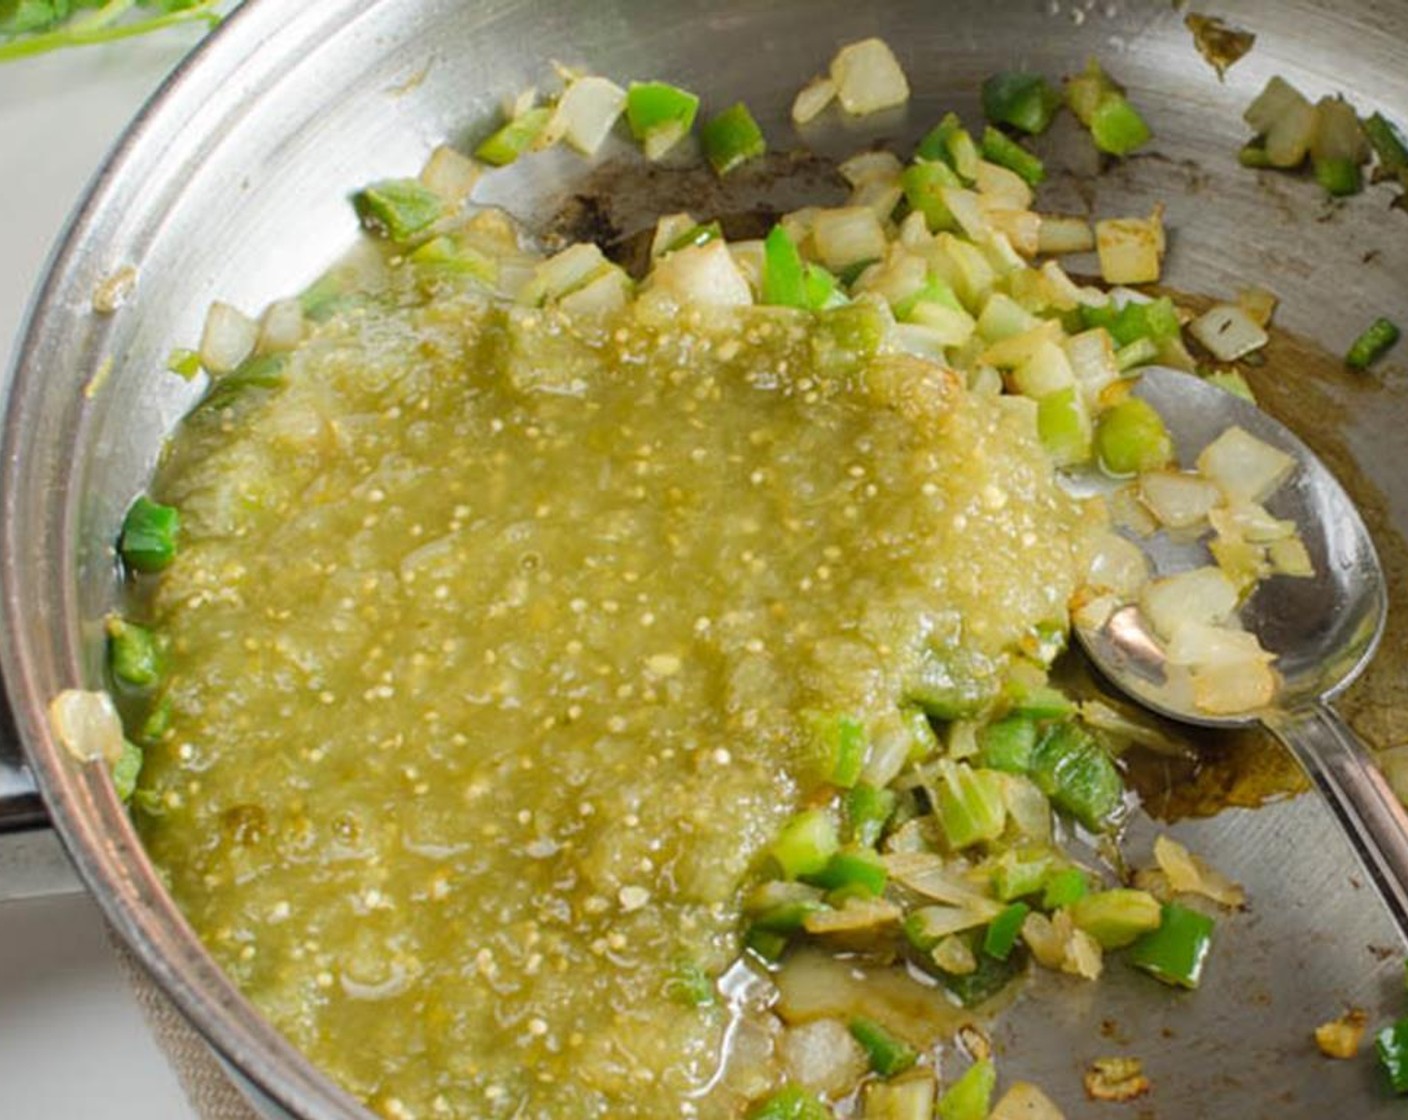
(73, 1044)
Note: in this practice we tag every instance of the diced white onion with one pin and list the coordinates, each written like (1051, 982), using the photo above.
(1092, 358)
(1004, 185)
(1130, 249)
(564, 273)
(954, 325)
(669, 228)
(280, 327)
(1065, 235)
(868, 167)
(847, 235)
(1117, 565)
(450, 174)
(1289, 557)
(1188, 874)
(812, 98)
(878, 196)
(703, 276)
(1048, 370)
(822, 1057)
(228, 338)
(1252, 522)
(1247, 469)
(1024, 1101)
(1178, 500)
(1199, 645)
(1200, 596)
(1228, 332)
(963, 205)
(1234, 688)
(86, 724)
(868, 77)
(585, 114)
(608, 291)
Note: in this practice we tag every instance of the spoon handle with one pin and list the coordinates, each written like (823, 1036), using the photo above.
(1366, 807)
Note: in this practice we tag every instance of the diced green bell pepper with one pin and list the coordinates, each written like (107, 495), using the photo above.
(1020, 871)
(1175, 952)
(1117, 127)
(805, 844)
(1071, 767)
(1001, 149)
(1376, 341)
(1391, 1045)
(126, 770)
(784, 275)
(968, 803)
(149, 532)
(1064, 888)
(1024, 101)
(923, 185)
(1130, 438)
(888, 1054)
(398, 209)
(1117, 918)
(658, 109)
(868, 811)
(1008, 743)
(790, 1103)
(731, 138)
(1339, 176)
(970, 1097)
(1063, 424)
(514, 138)
(853, 870)
(134, 653)
(1002, 933)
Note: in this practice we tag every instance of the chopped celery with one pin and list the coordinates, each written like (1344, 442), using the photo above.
(1373, 344)
(805, 843)
(790, 1103)
(1063, 888)
(731, 138)
(1063, 423)
(1001, 149)
(1024, 101)
(1071, 767)
(868, 810)
(968, 803)
(855, 870)
(1002, 933)
(126, 770)
(784, 277)
(149, 531)
(398, 209)
(1020, 871)
(1117, 918)
(923, 185)
(888, 1055)
(970, 1097)
(1391, 1045)
(1131, 438)
(1117, 127)
(1175, 952)
(660, 115)
(691, 986)
(514, 138)
(134, 653)
(1008, 743)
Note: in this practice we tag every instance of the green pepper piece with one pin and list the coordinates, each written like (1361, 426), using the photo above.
(398, 209)
(1008, 743)
(656, 110)
(852, 871)
(1117, 918)
(923, 184)
(1391, 1043)
(1140, 352)
(970, 1097)
(805, 843)
(1231, 381)
(1339, 176)
(1387, 143)
(1253, 155)
(156, 724)
(1063, 888)
(259, 371)
(514, 138)
(888, 1054)
(126, 770)
(1024, 101)
(1130, 437)
(985, 981)
(784, 277)
(1155, 319)
(936, 142)
(822, 288)
(1071, 767)
(1003, 930)
(134, 654)
(149, 531)
(731, 138)
(1378, 338)
(183, 363)
(1001, 149)
(765, 944)
(1175, 952)
(1039, 701)
(1117, 127)
(868, 811)
(790, 1103)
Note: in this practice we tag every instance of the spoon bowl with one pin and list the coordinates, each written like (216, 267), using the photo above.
(1323, 629)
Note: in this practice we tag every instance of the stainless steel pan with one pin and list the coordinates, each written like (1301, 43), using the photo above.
(232, 185)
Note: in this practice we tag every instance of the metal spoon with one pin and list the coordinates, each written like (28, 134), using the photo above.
(1323, 629)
